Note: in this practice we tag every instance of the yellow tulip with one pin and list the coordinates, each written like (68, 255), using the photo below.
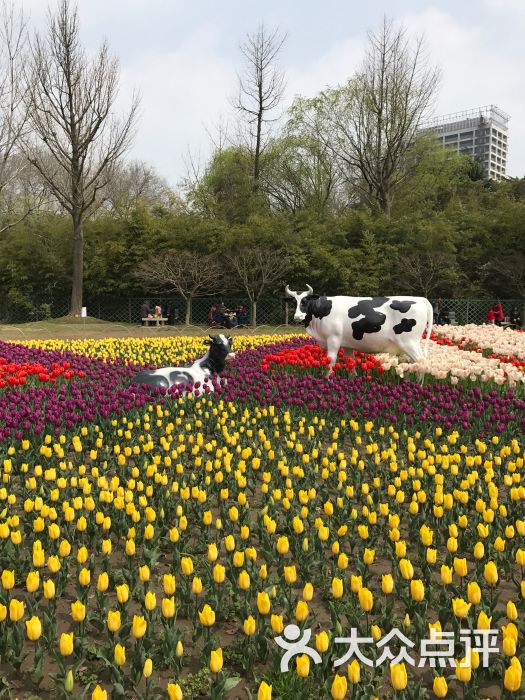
(102, 582)
(446, 575)
(119, 655)
(169, 584)
(337, 587)
(406, 569)
(277, 623)
(139, 626)
(216, 660)
(186, 566)
(264, 692)
(196, 586)
(263, 603)
(308, 592)
(460, 607)
(512, 678)
(301, 611)
(219, 573)
(483, 621)
(512, 612)
(398, 676)
(417, 590)
(339, 687)
(366, 599)
(509, 646)
(49, 589)
(122, 593)
(33, 628)
(290, 574)
(463, 671)
(473, 593)
(78, 611)
(8, 579)
(99, 694)
(249, 626)
(490, 573)
(440, 687)
(302, 665)
(148, 668)
(168, 607)
(460, 567)
(322, 641)
(66, 644)
(174, 691)
(33, 581)
(207, 616)
(354, 672)
(387, 583)
(16, 610)
(244, 580)
(113, 621)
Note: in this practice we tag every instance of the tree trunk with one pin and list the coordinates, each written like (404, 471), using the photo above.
(187, 318)
(78, 265)
(254, 313)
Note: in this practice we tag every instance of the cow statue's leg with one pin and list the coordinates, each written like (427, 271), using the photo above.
(415, 353)
(332, 348)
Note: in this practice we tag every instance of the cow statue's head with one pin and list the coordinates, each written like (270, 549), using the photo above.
(301, 299)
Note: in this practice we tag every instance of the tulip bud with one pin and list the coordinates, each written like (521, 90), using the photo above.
(69, 681)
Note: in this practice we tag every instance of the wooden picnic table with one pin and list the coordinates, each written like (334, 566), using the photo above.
(159, 320)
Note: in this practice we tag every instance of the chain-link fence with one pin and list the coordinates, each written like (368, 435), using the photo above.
(272, 311)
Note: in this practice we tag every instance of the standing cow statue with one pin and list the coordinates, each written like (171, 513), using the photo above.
(372, 324)
(202, 370)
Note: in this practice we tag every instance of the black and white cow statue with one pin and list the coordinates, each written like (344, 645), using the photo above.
(202, 370)
(372, 324)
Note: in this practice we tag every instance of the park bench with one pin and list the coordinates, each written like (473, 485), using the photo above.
(157, 320)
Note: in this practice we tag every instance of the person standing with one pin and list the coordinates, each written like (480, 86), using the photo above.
(499, 315)
(144, 312)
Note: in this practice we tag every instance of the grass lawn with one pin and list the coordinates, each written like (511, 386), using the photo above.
(68, 327)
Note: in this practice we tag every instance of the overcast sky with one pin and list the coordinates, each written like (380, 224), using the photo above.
(182, 56)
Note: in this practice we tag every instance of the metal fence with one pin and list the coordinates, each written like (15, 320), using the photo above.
(272, 311)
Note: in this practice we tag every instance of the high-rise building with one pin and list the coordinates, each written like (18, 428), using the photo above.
(481, 133)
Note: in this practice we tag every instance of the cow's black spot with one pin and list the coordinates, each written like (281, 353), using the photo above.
(372, 321)
(402, 306)
(318, 308)
(366, 325)
(405, 326)
(366, 306)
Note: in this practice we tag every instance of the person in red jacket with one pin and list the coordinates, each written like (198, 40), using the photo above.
(499, 315)
(491, 317)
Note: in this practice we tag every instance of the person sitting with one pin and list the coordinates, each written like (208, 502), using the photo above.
(217, 317)
(158, 311)
(514, 317)
(444, 317)
(242, 315)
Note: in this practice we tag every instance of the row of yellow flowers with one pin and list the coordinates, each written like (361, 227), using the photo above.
(166, 526)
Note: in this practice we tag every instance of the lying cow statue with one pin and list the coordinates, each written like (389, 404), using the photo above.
(201, 370)
(372, 324)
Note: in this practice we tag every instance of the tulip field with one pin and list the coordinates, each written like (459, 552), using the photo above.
(177, 545)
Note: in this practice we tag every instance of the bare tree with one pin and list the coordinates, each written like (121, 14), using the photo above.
(430, 273)
(510, 269)
(189, 274)
(20, 192)
(371, 123)
(257, 270)
(77, 138)
(136, 183)
(261, 87)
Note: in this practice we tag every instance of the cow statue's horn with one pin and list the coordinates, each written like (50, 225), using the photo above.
(310, 290)
(288, 291)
